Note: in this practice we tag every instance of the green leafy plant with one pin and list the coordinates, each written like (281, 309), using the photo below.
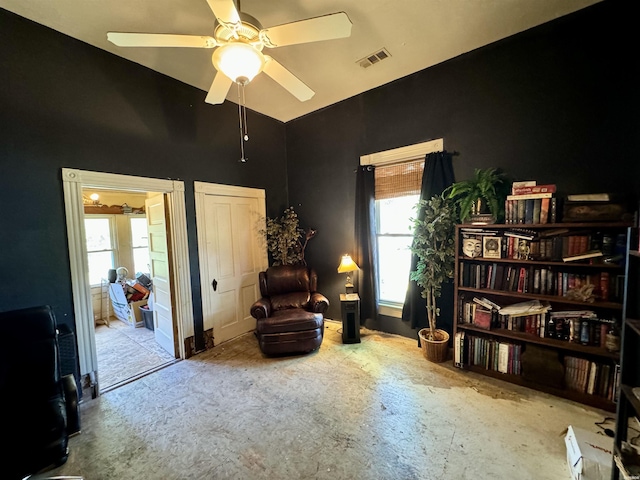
(286, 240)
(486, 192)
(434, 245)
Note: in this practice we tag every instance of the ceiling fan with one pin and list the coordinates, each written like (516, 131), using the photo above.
(238, 40)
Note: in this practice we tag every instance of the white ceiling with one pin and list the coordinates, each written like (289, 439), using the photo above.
(417, 34)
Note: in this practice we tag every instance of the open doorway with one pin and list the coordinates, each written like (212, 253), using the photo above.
(117, 238)
(74, 181)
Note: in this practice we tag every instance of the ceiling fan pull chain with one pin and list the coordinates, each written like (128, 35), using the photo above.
(242, 126)
(244, 116)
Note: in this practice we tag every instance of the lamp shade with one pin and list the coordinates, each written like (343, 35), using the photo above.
(347, 264)
(238, 61)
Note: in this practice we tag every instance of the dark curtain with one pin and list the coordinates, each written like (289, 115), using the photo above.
(438, 175)
(366, 255)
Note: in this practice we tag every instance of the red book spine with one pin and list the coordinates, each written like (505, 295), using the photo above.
(550, 188)
(583, 244)
(544, 211)
(604, 328)
(521, 276)
(573, 240)
(604, 286)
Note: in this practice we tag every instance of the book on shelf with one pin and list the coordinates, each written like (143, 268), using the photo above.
(553, 210)
(530, 196)
(582, 256)
(554, 232)
(458, 349)
(590, 197)
(528, 189)
(591, 385)
(521, 233)
(474, 231)
(615, 384)
(528, 210)
(518, 211)
(482, 318)
(529, 307)
(486, 303)
(522, 183)
(537, 205)
(544, 210)
(503, 357)
(499, 280)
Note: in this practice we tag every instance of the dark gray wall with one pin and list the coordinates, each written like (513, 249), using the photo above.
(64, 103)
(557, 104)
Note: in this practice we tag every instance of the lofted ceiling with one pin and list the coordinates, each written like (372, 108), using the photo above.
(416, 33)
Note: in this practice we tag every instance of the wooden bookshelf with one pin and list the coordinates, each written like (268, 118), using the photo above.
(628, 402)
(587, 296)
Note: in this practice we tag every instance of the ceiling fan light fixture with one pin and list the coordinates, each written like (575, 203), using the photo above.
(238, 61)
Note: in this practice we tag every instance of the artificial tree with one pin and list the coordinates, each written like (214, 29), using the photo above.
(434, 245)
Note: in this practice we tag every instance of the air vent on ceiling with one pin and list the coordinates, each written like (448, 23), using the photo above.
(374, 58)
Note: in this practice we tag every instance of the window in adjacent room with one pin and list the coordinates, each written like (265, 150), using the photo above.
(140, 244)
(101, 247)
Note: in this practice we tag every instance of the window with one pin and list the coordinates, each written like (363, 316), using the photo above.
(100, 247)
(398, 179)
(140, 244)
(394, 241)
(397, 193)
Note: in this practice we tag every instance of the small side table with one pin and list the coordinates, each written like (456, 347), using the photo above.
(350, 305)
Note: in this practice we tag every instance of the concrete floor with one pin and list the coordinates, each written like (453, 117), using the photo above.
(374, 410)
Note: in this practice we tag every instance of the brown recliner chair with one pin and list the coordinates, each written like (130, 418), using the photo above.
(290, 314)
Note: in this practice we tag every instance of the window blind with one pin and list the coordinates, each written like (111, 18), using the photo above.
(399, 180)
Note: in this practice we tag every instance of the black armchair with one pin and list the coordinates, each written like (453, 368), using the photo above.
(290, 314)
(40, 406)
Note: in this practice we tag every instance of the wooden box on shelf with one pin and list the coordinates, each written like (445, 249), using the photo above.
(550, 316)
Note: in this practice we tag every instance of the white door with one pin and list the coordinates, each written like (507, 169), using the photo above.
(233, 260)
(159, 249)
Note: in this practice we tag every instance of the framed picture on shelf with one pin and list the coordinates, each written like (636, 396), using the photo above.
(491, 247)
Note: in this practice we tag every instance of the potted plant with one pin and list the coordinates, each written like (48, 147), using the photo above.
(286, 241)
(434, 245)
(482, 197)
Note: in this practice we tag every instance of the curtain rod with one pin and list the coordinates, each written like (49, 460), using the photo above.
(370, 167)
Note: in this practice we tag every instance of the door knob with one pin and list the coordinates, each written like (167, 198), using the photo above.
(214, 284)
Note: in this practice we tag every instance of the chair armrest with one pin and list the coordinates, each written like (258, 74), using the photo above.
(261, 308)
(71, 403)
(318, 303)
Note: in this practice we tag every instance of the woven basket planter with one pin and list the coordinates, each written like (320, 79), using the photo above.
(435, 350)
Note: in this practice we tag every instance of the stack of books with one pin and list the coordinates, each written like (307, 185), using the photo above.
(531, 204)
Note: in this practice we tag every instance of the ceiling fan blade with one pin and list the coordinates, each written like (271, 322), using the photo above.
(219, 89)
(160, 40)
(288, 80)
(327, 27)
(225, 11)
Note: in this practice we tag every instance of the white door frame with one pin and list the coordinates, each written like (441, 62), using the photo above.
(73, 182)
(201, 189)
